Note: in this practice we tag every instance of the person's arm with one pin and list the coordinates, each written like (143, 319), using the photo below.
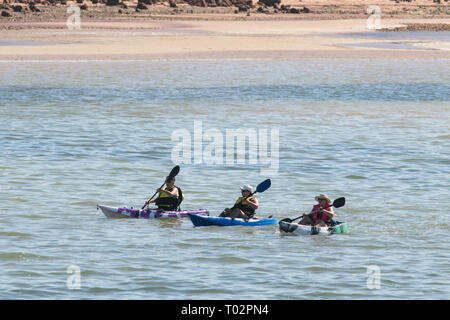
(154, 200)
(252, 203)
(329, 212)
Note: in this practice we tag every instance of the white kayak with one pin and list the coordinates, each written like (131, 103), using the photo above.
(114, 212)
(300, 229)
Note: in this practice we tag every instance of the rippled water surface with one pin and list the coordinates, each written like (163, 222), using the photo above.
(75, 134)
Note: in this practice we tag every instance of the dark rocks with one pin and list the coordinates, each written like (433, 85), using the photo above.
(33, 7)
(305, 10)
(5, 14)
(219, 3)
(421, 27)
(141, 6)
(242, 9)
(149, 2)
(284, 8)
(112, 2)
(270, 3)
(17, 8)
(287, 9)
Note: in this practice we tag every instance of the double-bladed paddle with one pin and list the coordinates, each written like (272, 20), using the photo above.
(172, 174)
(339, 202)
(263, 186)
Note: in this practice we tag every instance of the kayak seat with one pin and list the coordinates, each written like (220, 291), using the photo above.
(334, 222)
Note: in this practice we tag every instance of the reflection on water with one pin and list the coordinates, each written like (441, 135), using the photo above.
(386, 45)
(402, 40)
(411, 35)
(9, 43)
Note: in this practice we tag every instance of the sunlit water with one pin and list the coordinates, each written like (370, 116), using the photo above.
(75, 134)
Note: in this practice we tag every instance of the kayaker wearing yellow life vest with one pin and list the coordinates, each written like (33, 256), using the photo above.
(321, 213)
(169, 197)
(245, 205)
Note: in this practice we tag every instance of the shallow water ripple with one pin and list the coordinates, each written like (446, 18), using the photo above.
(78, 134)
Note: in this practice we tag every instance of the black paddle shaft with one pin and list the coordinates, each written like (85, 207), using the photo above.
(172, 174)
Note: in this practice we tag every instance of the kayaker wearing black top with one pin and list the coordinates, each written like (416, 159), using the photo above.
(245, 205)
(168, 196)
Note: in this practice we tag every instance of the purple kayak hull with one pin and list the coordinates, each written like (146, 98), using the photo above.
(114, 212)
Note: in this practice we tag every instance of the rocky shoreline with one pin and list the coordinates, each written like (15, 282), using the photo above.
(51, 10)
(420, 27)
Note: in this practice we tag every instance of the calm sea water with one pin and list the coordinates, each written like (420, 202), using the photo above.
(75, 134)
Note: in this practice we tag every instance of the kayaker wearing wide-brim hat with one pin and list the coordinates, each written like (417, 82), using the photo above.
(169, 196)
(245, 205)
(319, 216)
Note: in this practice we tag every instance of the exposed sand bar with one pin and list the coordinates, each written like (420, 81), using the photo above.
(252, 39)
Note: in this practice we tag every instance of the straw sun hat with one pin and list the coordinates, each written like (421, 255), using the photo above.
(322, 196)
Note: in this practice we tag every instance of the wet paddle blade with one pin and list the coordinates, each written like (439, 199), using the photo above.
(339, 202)
(263, 186)
(174, 171)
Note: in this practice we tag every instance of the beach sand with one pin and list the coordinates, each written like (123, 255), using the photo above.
(206, 36)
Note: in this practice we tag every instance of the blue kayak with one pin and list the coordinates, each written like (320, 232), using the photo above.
(202, 221)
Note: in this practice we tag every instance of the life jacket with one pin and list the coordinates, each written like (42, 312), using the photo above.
(322, 217)
(249, 211)
(169, 203)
